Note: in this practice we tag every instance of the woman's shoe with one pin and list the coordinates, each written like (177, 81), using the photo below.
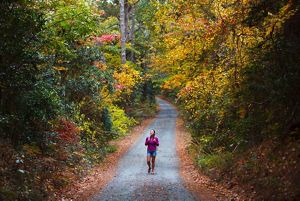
(149, 169)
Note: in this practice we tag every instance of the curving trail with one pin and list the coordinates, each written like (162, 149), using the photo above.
(132, 182)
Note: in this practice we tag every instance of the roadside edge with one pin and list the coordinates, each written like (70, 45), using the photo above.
(104, 172)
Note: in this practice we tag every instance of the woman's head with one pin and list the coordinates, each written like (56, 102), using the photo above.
(152, 132)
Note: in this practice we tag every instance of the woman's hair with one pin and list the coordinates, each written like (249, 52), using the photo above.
(153, 132)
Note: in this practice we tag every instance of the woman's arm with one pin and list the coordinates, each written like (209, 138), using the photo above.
(147, 141)
(157, 142)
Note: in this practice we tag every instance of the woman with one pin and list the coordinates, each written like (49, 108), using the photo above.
(152, 142)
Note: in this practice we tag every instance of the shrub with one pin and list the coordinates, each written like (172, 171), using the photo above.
(221, 161)
(120, 121)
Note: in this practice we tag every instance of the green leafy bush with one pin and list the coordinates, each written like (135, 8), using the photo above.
(120, 121)
(221, 161)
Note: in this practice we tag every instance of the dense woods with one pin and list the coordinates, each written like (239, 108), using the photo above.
(234, 67)
(64, 93)
(76, 74)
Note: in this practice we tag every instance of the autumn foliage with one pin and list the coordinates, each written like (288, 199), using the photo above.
(64, 94)
(233, 69)
(107, 38)
(67, 131)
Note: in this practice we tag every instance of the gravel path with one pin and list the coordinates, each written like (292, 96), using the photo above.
(132, 182)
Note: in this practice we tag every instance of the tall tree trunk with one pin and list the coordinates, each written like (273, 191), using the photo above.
(123, 31)
(132, 30)
(127, 10)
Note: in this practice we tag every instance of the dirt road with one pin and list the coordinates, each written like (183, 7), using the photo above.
(132, 182)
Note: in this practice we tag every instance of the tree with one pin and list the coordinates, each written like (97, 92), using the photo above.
(123, 31)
